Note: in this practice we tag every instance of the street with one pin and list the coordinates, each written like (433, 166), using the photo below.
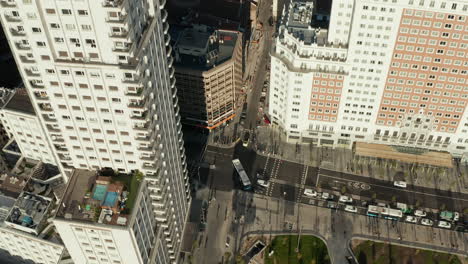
(282, 208)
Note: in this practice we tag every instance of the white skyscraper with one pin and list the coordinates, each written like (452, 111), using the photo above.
(100, 78)
(383, 71)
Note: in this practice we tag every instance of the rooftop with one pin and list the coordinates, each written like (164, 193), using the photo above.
(20, 102)
(28, 212)
(102, 197)
(202, 47)
(306, 22)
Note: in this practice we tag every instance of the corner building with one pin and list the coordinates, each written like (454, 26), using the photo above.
(384, 71)
(100, 78)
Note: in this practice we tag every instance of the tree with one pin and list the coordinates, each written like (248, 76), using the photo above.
(343, 189)
(139, 175)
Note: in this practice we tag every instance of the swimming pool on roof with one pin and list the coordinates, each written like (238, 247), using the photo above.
(100, 192)
(111, 198)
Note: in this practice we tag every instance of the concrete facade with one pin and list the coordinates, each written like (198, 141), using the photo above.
(391, 72)
(100, 78)
(208, 75)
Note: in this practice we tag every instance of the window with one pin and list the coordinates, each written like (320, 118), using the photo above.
(83, 12)
(66, 11)
(36, 30)
(50, 11)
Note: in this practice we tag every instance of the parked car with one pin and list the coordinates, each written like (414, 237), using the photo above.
(245, 140)
(263, 183)
(427, 222)
(332, 205)
(420, 213)
(456, 216)
(411, 219)
(310, 193)
(444, 224)
(327, 196)
(345, 199)
(350, 208)
(401, 184)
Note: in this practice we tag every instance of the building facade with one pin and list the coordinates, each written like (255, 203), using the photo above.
(101, 81)
(387, 71)
(209, 73)
(24, 128)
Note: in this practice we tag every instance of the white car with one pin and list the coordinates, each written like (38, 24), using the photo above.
(327, 196)
(420, 213)
(456, 216)
(263, 183)
(401, 184)
(427, 222)
(444, 224)
(411, 219)
(310, 193)
(350, 208)
(345, 199)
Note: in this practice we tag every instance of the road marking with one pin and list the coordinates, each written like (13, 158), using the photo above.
(316, 183)
(303, 179)
(395, 189)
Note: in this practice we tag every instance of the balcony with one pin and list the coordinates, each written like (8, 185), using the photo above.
(117, 19)
(36, 84)
(165, 28)
(167, 39)
(112, 3)
(171, 72)
(122, 33)
(12, 18)
(131, 80)
(41, 95)
(170, 61)
(22, 46)
(141, 127)
(163, 15)
(137, 104)
(137, 93)
(168, 51)
(49, 118)
(57, 139)
(141, 116)
(26, 59)
(17, 32)
(63, 157)
(45, 107)
(8, 3)
(162, 3)
(125, 48)
(60, 148)
(175, 101)
(173, 82)
(52, 128)
(32, 72)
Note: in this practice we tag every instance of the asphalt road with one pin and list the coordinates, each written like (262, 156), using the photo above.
(288, 180)
(254, 96)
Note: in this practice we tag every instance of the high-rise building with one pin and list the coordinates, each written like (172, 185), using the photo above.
(209, 74)
(387, 71)
(109, 219)
(100, 78)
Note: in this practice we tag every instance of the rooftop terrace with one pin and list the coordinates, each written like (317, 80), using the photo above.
(101, 197)
(28, 212)
(202, 47)
(306, 22)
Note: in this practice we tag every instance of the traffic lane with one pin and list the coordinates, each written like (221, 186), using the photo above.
(311, 176)
(412, 188)
(285, 192)
(388, 193)
(290, 172)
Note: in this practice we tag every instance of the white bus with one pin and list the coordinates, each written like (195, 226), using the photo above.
(387, 213)
(243, 178)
